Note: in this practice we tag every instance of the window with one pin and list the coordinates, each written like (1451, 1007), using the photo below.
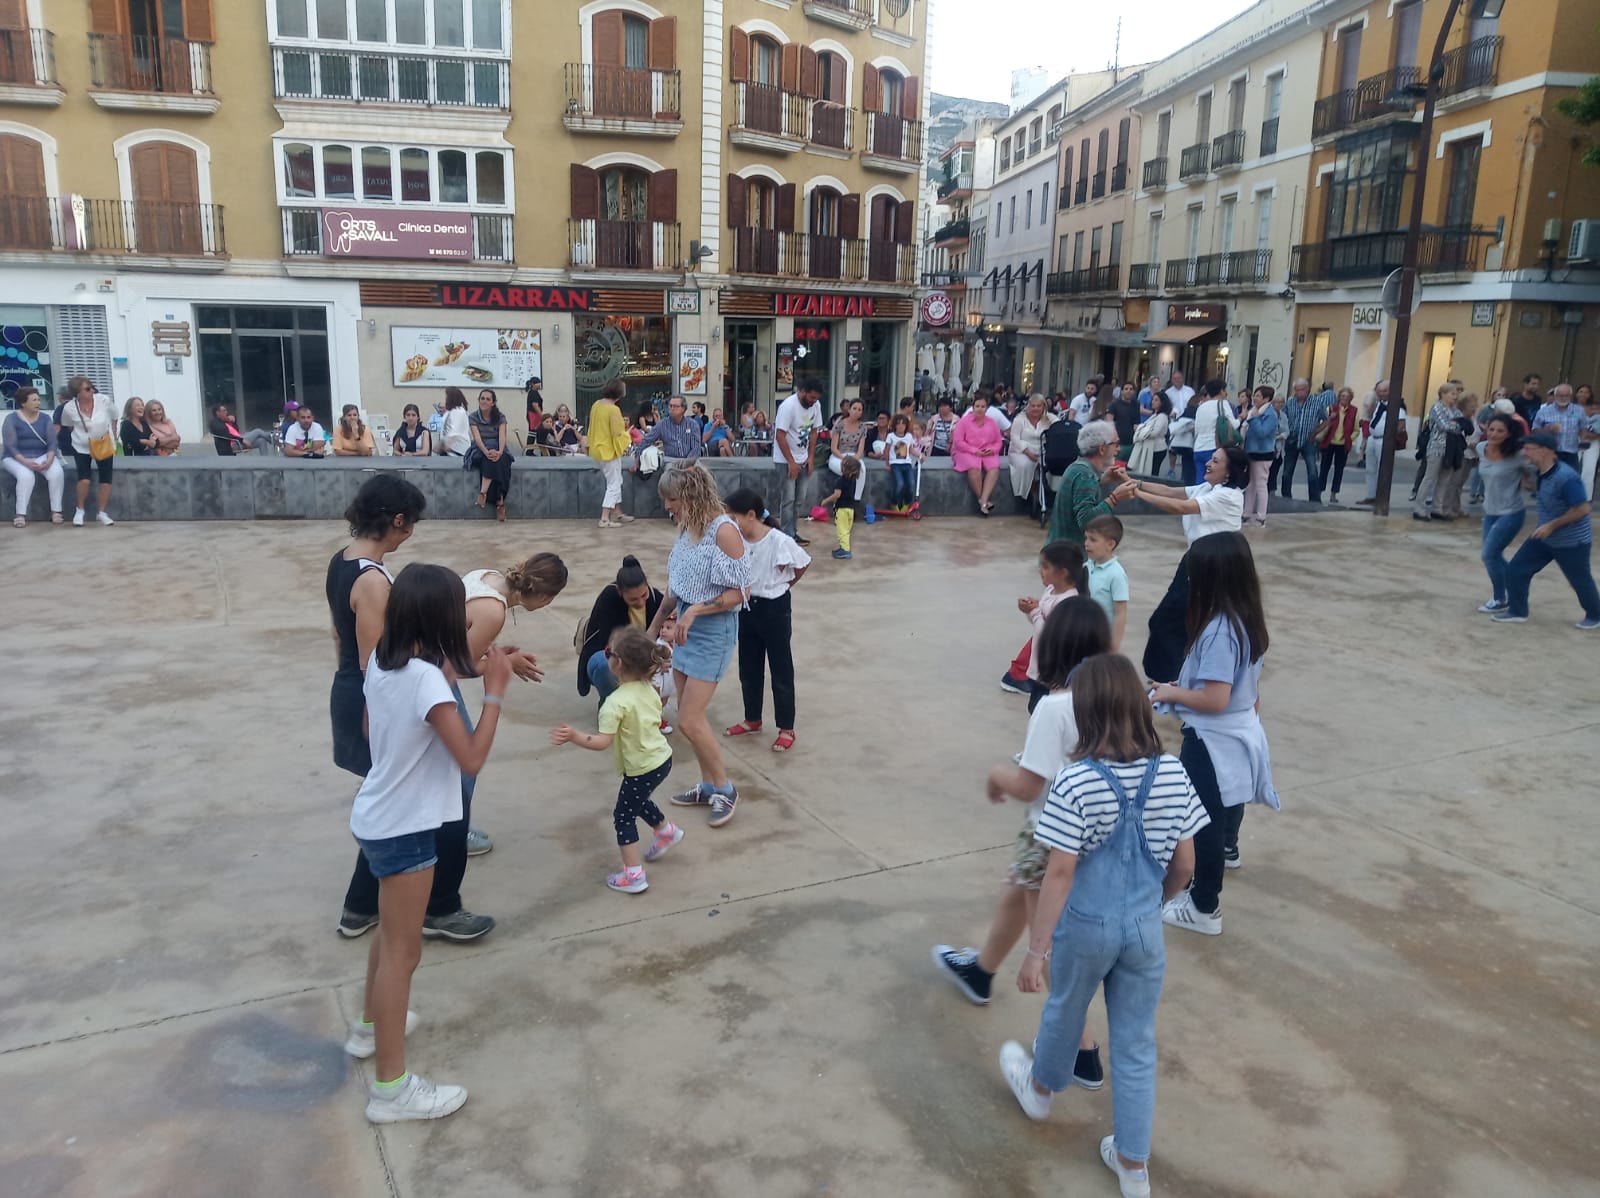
(1083, 162)
(892, 92)
(375, 181)
(299, 170)
(1123, 128)
(338, 173)
(1102, 151)
(1027, 216)
(1407, 33)
(1061, 253)
(1230, 207)
(411, 22)
(426, 175)
(1195, 214)
(449, 23)
(446, 24)
(1202, 118)
(1066, 176)
(1005, 154)
(1263, 219)
(1236, 105)
(1274, 96)
(372, 21)
(825, 212)
(1077, 250)
(452, 177)
(333, 22)
(1155, 237)
(292, 18)
(1369, 178)
(1463, 187)
(1096, 243)
(624, 194)
(1044, 203)
(491, 177)
(415, 185)
(833, 85)
(635, 42)
(1116, 245)
(1012, 227)
(1163, 134)
(764, 61)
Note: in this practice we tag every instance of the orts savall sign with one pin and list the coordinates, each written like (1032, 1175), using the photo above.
(386, 233)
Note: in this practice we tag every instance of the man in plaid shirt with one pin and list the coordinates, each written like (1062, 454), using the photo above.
(1305, 415)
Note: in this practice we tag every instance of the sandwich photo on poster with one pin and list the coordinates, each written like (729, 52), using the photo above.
(464, 357)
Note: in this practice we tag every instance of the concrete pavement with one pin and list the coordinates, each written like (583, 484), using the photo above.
(1402, 1002)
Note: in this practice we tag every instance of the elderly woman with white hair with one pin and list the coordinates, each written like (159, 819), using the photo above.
(1079, 499)
(1027, 445)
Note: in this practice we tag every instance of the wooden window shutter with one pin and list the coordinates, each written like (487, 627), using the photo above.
(13, 14)
(911, 98)
(662, 202)
(789, 67)
(21, 166)
(850, 217)
(197, 24)
(783, 208)
(608, 40)
(664, 44)
(871, 93)
(738, 56)
(904, 218)
(182, 174)
(808, 73)
(585, 193)
(738, 194)
(106, 16)
(878, 220)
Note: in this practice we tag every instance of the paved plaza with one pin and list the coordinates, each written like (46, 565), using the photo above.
(1403, 1002)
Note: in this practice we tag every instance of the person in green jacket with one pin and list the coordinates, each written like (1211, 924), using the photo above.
(1079, 500)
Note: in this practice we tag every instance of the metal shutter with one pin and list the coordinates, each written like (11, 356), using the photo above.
(79, 345)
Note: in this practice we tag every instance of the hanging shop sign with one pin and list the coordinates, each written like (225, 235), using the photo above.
(1197, 314)
(1367, 317)
(937, 309)
(684, 302)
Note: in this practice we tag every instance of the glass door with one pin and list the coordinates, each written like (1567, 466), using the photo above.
(266, 379)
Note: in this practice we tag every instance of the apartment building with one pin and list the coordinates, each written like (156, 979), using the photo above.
(1226, 131)
(954, 248)
(1507, 288)
(700, 198)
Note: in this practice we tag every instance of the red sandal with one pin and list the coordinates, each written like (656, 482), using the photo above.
(784, 743)
(743, 728)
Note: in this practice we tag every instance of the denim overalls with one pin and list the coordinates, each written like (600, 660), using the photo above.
(1111, 932)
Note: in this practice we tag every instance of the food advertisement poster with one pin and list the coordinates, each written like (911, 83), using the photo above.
(852, 363)
(692, 369)
(785, 367)
(465, 358)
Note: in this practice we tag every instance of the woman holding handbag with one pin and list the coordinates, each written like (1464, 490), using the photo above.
(94, 443)
(1338, 435)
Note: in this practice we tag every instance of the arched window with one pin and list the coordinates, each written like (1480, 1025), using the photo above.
(764, 55)
(891, 91)
(635, 42)
(24, 207)
(166, 193)
(760, 207)
(624, 193)
(832, 78)
(830, 118)
(822, 216)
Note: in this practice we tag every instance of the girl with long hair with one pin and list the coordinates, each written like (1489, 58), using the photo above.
(351, 436)
(1503, 471)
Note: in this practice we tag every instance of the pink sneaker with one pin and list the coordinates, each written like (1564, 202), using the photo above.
(629, 881)
(668, 836)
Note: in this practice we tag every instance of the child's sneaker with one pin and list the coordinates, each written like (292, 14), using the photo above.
(629, 881)
(1135, 1183)
(362, 1041)
(1017, 1068)
(842, 554)
(961, 967)
(700, 796)
(666, 727)
(668, 835)
(415, 1098)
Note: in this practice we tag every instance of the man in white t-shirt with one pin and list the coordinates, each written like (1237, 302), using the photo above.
(305, 438)
(1377, 406)
(792, 430)
(1083, 402)
(1179, 394)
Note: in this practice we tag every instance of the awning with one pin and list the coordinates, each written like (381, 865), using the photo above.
(1183, 334)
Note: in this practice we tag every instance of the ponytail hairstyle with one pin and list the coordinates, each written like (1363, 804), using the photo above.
(747, 501)
(426, 618)
(542, 576)
(635, 656)
(383, 497)
(1077, 629)
(631, 575)
(1068, 556)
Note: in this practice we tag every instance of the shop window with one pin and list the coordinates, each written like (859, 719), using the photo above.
(414, 184)
(453, 177)
(635, 349)
(376, 183)
(491, 177)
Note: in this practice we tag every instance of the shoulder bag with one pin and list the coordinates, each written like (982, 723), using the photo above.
(100, 448)
(1227, 434)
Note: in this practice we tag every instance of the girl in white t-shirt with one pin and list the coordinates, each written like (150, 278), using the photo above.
(420, 749)
(1076, 630)
(1064, 573)
(765, 625)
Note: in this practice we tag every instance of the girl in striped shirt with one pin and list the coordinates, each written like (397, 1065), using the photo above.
(1120, 820)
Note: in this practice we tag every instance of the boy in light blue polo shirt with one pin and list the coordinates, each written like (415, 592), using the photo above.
(1108, 581)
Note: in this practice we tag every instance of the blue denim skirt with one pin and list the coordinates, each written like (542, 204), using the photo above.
(709, 650)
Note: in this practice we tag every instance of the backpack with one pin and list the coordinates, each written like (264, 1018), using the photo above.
(1060, 446)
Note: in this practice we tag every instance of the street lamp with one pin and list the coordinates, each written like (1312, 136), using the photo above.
(1428, 92)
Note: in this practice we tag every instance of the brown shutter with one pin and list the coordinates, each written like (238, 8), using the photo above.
(911, 98)
(182, 172)
(850, 216)
(609, 40)
(13, 14)
(106, 16)
(197, 26)
(808, 72)
(904, 218)
(585, 193)
(664, 44)
(871, 93)
(145, 165)
(738, 194)
(662, 201)
(878, 219)
(783, 209)
(738, 56)
(21, 166)
(789, 67)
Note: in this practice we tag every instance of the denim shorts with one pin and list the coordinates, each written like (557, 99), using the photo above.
(708, 651)
(406, 854)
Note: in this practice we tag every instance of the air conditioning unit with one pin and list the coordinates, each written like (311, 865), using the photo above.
(1584, 243)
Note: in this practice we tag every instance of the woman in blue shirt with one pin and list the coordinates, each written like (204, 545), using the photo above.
(1261, 444)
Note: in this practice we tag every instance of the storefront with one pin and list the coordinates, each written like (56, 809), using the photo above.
(1194, 339)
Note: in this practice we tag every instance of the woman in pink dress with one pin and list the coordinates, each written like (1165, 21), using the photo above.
(975, 447)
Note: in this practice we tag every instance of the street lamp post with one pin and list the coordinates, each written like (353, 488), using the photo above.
(1478, 10)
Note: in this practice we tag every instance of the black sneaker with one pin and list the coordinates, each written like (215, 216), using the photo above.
(1230, 856)
(1086, 1072)
(961, 967)
(461, 926)
(352, 925)
(1011, 686)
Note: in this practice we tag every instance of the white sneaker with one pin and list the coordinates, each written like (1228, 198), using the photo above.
(362, 1041)
(1135, 1183)
(105, 519)
(77, 518)
(1182, 913)
(1017, 1068)
(417, 1098)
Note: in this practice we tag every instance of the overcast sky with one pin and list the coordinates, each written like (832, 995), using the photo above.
(978, 43)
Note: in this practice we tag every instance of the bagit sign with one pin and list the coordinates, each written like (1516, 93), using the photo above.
(385, 233)
(1367, 316)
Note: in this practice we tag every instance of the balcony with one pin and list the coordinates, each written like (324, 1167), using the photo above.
(846, 14)
(1155, 174)
(1099, 185)
(1454, 250)
(1083, 282)
(769, 118)
(639, 103)
(1470, 68)
(1227, 151)
(371, 77)
(75, 224)
(1245, 268)
(1119, 178)
(891, 262)
(957, 185)
(952, 233)
(1366, 101)
(1269, 136)
(1187, 274)
(1194, 161)
(150, 74)
(303, 236)
(894, 144)
(28, 67)
(624, 245)
(1080, 192)
(1144, 276)
(1234, 270)
(822, 257)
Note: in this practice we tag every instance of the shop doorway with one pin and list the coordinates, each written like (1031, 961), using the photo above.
(1366, 363)
(256, 360)
(1438, 360)
(1318, 372)
(740, 369)
(878, 365)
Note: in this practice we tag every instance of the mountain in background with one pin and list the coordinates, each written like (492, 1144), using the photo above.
(947, 115)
